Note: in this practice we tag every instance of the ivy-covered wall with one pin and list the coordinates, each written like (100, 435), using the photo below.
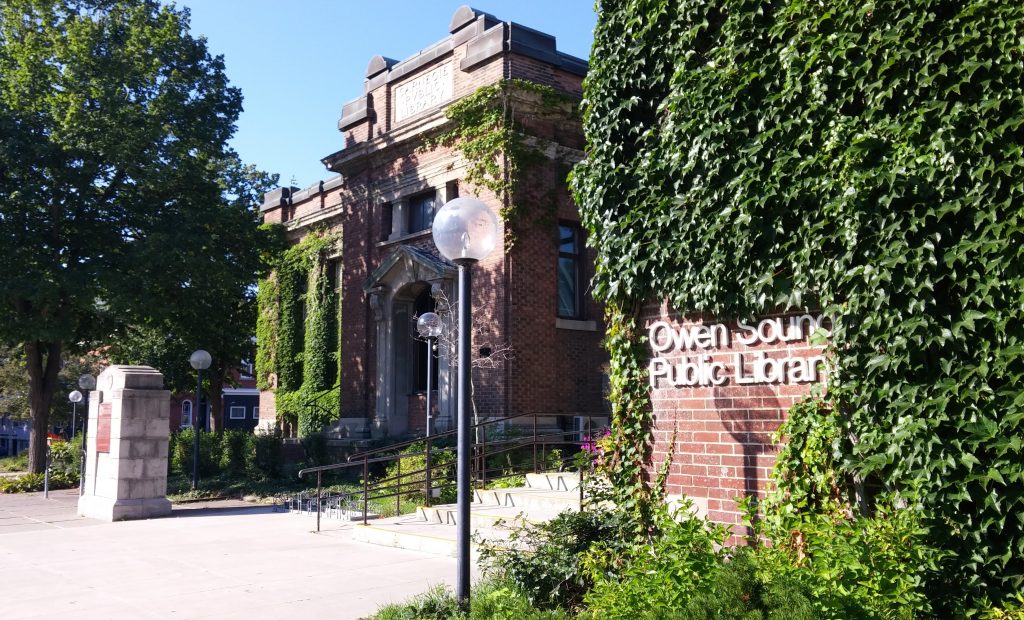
(297, 334)
(866, 158)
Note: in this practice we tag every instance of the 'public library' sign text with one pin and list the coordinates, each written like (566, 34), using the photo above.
(704, 362)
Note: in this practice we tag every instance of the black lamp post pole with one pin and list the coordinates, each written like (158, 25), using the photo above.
(195, 430)
(430, 379)
(465, 440)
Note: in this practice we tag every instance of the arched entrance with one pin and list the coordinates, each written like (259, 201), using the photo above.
(403, 287)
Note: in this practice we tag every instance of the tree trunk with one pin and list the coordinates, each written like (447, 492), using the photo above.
(216, 399)
(43, 360)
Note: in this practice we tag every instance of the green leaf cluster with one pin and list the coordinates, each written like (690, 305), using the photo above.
(494, 129)
(864, 158)
(297, 333)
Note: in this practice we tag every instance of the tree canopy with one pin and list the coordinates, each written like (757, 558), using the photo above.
(114, 122)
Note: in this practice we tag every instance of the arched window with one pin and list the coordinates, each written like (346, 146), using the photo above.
(186, 414)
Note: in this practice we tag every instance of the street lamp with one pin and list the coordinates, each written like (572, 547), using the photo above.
(465, 230)
(200, 360)
(88, 383)
(429, 326)
(75, 398)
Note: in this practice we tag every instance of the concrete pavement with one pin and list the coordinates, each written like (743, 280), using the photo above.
(213, 560)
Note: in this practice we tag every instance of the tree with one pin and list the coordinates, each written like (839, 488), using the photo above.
(217, 311)
(114, 121)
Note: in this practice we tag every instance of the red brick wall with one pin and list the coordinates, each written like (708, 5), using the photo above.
(723, 433)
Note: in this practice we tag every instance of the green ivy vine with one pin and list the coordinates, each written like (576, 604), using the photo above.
(296, 333)
(489, 128)
(865, 158)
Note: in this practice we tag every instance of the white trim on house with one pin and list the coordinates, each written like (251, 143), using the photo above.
(233, 408)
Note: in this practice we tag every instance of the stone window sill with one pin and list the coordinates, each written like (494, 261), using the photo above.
(420, 234)
(580, 326)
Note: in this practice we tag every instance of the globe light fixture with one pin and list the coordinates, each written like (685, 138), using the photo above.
(465, 231)
(87, 382)
(75, 397)
(200, 360)
(429, 326)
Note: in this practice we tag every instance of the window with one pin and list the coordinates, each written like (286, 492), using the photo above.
(186, 414)
(255, 413)
(570, 304)
(236, 413)
(421, 212)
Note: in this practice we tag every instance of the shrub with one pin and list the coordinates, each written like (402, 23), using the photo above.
(543, 560)
(236, 445)
(65, 460)
(490, 600)
(741, 588)
(315, 447)
(266, 457)
(15, 463)
(663, 573)
(26, 483)
(210, 452)
(442, 472)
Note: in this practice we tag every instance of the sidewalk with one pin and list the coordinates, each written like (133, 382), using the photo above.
(223, 559)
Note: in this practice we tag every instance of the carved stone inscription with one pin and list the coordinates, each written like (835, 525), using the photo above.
(427, 91)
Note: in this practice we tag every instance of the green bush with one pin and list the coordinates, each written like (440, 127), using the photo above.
(210, 452)
(15, 463)
(442, 472)
(266, 458)
(662, 573)
(489, 600)
(65, 460)
(236, 444)
(25, 483)
(315, 447)
(544, 560)
(742, 587)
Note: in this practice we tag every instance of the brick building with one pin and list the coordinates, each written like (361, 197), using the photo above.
(530, 295)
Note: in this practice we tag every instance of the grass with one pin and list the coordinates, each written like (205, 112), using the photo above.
(14, 463)
(224, 486)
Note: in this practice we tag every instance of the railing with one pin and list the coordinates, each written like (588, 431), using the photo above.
(526, 441)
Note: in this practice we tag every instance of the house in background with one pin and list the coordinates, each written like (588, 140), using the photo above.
(240, 405)
(13, 436)
(530, 295)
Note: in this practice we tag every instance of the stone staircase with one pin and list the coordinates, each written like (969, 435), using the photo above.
(432, 530)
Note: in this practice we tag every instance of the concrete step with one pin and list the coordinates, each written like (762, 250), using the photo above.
(555, 481)
(493, 513)
(530, 499)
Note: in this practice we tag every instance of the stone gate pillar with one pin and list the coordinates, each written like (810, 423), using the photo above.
(126, 457)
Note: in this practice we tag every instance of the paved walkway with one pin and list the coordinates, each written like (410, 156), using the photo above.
(213, 560)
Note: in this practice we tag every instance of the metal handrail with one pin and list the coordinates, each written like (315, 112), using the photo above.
(481, 452)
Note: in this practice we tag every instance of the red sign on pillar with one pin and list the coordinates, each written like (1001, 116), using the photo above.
(103, 428)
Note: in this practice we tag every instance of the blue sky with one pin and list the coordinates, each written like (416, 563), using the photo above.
(298, 61)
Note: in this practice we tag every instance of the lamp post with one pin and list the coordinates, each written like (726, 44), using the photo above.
(465, 230)
(75, 398)
(429, 326)
(87, 383)
(200, 360)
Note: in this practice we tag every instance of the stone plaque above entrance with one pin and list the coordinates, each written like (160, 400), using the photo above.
(427, 91)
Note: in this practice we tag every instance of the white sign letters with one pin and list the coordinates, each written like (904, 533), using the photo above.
(703, 369)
